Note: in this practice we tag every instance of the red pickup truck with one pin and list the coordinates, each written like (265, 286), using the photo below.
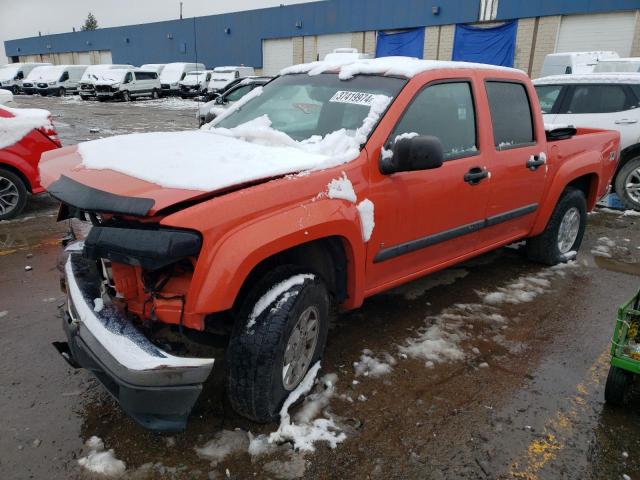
(330, 184)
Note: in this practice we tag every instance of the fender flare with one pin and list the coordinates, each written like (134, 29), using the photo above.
(220, 276)
(585, 163)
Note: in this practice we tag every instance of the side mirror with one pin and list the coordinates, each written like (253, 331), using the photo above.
(410, 154)
(220, 100)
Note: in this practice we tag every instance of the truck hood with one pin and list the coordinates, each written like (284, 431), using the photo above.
(142, 174)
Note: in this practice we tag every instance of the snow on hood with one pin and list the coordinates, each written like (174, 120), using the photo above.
(52, 74)
(13, 129)
(216, 158)
(109, 77)
(402, 66)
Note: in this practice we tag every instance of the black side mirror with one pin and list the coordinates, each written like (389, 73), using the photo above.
(410, 154)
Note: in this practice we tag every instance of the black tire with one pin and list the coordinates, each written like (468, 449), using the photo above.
(84, 98)
(126, 96)
(544, 248)
(255, 356)
(623, 178)
(155, 95)
(8, 177)
(616, 390)
(15, 90)
(62, 92)
(102, 99)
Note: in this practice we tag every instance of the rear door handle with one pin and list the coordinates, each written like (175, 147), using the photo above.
(476, 175)
(535, 161)
(625, 121)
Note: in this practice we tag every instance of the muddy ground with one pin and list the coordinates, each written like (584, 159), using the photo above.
(525, 401)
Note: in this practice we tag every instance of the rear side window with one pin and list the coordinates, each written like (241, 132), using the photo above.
(443, 110)
(548, 96)
(146, 75)
(598, 99)
(510, 114)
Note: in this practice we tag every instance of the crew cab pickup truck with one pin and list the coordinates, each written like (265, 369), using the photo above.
(330, 184)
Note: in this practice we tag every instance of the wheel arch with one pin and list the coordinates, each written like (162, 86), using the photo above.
(626, 154)
(13, 169)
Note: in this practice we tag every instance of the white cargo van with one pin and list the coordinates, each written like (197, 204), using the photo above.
(573, 62)
(223, 76)
(156, 67)
(195, 83)
(630, 64)
(60, 79)
(13, 74)
(90, 75)
(127, 84)
(172, 73)
(29, 83)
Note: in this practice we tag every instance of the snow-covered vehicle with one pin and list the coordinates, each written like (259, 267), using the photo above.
(600, 100)
(173, 73)
(126, 84)
(13, 75)
(87, 89)
(320, 189)
(195, 83)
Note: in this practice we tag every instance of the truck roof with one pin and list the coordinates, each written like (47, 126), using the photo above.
(392, 66)
(608, 77)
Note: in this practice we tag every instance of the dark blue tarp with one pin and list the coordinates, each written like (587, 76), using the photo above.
(495, 45)
(409, 43)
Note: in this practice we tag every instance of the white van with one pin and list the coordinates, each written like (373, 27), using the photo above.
(345, 55)
(172, 73)
(127, 84)
(13, 74)
(29, 83)
(195, 83)
(60, 79)
(223, 76)
(90, 75)
(156, 67)
(630, 64)
(573, 62)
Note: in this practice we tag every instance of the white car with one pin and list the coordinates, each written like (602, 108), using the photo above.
(223, 77)
(13, 74)
(90, 76)
(573, 62)
(173, 73)
(127, 84)
(600, 100)
(195, 83)
(6, 97)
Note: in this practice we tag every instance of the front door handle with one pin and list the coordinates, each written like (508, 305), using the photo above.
(535, 161)
(625, 121)
(476, 175)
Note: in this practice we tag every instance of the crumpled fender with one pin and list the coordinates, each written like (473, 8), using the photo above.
(584, 163)
(221, 273)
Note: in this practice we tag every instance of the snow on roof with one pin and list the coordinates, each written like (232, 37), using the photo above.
(400, 66)
(595, 53)
(13, 129)
(609, 77)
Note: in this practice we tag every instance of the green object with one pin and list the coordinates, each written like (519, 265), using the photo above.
(625, 352)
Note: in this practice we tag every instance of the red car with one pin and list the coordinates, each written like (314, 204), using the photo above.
(24, 135)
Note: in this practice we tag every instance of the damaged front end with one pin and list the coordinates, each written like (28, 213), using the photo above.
(126, 277)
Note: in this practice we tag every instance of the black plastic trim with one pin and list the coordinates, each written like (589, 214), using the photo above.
(423, 242)
(91, 199)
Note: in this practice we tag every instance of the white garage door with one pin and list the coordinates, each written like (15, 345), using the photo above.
(328, 43)
(105, 56)
(65, 58)
(277, 54)
(606, 31)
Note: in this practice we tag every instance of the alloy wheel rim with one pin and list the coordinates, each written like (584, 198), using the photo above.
(568, 231)
(9, 195)
(300, 347)
(632, 185)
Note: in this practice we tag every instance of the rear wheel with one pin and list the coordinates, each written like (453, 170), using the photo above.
(126, 96)
(563, 234)
(617, 388)
(269, 355)
(627, 184)
(13, 194)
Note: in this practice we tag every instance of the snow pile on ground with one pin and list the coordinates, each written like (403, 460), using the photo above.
(224, 443)
(100, 461)
(170, 103)
(273, 293)
(13, 129)
(304, 434)
(603, 248)
(440, 341)
(399, 66)
(215, 158)
(370, 366)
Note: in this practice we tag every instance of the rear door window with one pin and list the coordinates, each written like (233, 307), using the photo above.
(599, 99)
(510, 114)
(446, 111)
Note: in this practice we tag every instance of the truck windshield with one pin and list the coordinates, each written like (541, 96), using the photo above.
(303, 106)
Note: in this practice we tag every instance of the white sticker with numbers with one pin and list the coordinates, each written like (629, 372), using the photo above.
(355, 98)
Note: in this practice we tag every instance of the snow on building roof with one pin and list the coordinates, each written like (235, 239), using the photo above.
(401, 66)
(609, 77)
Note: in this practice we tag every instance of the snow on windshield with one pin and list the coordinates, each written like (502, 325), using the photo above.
(8, 72)
(172, 73)
(91, 72)
(115, 75)
(51, 74)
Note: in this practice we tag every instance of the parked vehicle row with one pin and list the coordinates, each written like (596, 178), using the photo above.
(13, 74)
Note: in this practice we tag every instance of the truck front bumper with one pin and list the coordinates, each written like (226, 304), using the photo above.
(158, 390)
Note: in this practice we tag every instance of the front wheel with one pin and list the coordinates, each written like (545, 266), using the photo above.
(280, 332)
(563, 234)
(155, 95)
(126, 96)
(15, 90)
(627, 184)
(62, 92)
(13, 194)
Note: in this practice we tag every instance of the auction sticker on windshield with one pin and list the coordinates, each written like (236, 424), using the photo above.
(355, 98)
